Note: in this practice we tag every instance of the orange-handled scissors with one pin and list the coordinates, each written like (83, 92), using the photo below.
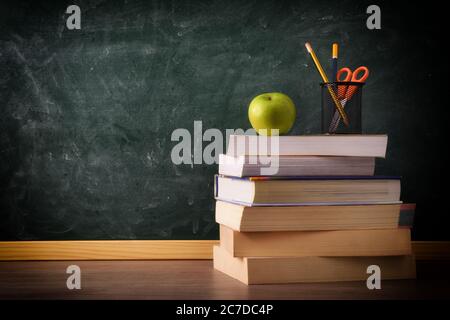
(345, 93)
(359, 75)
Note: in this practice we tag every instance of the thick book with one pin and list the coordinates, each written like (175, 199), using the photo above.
(271, 270)
(356, 145)
(311, 218)
(379, 242)
(247, 166)
(263, 191)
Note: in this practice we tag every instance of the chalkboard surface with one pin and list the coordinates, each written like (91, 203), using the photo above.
(87, 115)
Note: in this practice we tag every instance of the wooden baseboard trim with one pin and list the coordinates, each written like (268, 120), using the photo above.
(153, 250)
(107, 250)
(431, 250)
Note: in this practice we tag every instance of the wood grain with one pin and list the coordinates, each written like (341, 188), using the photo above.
(431, 250)
(153, 250)
(106, 250)
(194, 280)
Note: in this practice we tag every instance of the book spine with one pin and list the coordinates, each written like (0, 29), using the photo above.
(216, 186)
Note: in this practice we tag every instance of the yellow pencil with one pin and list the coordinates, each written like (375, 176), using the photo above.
(338, 105)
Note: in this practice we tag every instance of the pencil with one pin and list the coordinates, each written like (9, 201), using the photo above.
(322, 73)
(334, 62)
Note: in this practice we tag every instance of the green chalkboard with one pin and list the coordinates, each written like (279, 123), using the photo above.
(87, 115)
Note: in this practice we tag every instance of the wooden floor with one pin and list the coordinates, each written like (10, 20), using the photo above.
(195, 280)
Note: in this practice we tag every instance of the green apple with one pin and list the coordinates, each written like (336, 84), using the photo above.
(272, 111)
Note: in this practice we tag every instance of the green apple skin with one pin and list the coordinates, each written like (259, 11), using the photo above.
(272, 111)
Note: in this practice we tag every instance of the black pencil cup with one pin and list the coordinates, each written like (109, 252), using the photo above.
(350, 96)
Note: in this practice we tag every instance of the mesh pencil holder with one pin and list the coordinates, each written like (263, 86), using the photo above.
(350, 96)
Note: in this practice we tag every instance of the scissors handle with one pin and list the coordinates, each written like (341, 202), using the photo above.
(356, 77)
(342, 89)
(348, 74)
(359, 75)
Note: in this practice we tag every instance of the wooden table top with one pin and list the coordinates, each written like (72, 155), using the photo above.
(195, 279)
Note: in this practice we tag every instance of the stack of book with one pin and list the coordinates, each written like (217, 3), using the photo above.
(324, 215)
